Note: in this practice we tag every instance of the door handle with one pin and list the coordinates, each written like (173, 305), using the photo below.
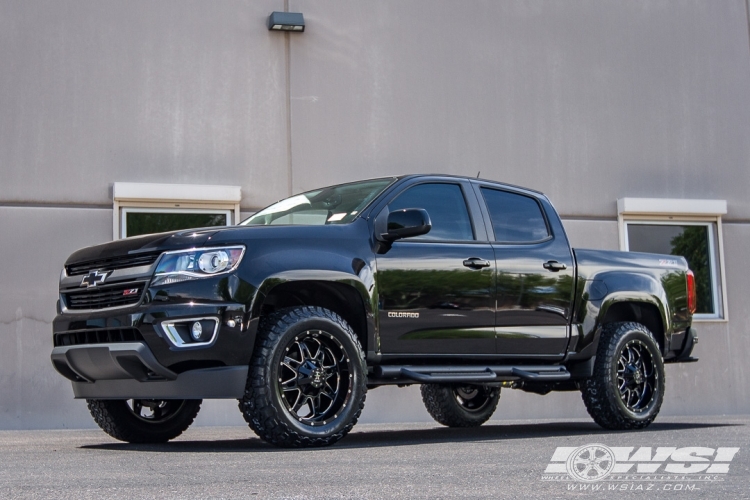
(554, 266)
(476, 263)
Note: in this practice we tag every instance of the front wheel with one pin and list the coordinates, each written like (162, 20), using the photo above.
(460, 406)
(144, 420)
(307, 380)
(627, 388)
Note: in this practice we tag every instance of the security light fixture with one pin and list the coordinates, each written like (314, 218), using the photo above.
(286, 21)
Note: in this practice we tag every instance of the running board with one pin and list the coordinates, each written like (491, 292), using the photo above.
(396, 374)
(681, 360)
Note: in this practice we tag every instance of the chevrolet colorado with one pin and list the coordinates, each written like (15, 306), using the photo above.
(462, 285)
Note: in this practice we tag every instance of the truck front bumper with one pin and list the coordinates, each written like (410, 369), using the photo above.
(130, 371)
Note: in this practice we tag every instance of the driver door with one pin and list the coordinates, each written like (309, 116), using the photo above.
(437, 291)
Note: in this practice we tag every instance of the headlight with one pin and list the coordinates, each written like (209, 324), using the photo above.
(185, 265)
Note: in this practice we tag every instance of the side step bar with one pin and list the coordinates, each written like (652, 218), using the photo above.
(397, 374)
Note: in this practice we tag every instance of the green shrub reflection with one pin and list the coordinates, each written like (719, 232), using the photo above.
(692, 244)
(155, 222)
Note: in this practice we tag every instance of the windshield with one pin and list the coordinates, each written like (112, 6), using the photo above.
(332, 205)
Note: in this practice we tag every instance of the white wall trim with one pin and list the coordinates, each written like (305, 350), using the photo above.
(667, 206)
(195, 193)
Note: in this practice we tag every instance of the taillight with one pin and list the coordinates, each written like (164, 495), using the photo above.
(692, 299)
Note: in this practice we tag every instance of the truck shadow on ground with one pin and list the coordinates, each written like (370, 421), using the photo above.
(369, 438)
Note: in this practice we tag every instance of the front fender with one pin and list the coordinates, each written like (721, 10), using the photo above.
(277, 279)
(362, 283)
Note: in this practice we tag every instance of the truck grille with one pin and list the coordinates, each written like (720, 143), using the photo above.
(104, 297)
(112, 263)
(103, 336)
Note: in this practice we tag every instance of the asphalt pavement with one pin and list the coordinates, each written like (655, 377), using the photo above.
(686, 457)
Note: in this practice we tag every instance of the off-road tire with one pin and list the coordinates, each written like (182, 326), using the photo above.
(443, 404)
(116, 418)
(265, 405)
(602, 394)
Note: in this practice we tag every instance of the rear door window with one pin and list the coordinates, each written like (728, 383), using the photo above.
(516, 218)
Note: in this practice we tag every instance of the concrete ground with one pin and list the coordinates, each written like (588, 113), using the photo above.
(499, 460)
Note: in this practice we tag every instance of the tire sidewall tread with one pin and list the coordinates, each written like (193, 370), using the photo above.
(441, 404)
(116, 419)
(600, 393)
(261, 406)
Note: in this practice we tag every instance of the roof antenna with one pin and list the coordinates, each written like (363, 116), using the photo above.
(478, 174)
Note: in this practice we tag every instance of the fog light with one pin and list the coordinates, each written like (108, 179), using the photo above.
(196, 331)
(191, 332)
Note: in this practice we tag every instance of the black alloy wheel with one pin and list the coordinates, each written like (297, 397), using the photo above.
(636, 376)
(153, 411)
(315, 379)
(474, 399)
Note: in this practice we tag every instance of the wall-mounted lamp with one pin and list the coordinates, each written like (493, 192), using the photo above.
(286, 21)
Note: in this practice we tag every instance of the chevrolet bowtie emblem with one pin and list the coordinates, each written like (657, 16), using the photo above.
(94, 278)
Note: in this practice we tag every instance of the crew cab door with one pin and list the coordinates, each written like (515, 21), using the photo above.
(535, 272)
(437, 290)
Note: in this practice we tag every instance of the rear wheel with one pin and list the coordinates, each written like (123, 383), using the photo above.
(144, 420)
(458, 405)
(307, 379)
(627, 388)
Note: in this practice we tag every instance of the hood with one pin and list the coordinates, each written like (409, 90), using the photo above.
(146, 244)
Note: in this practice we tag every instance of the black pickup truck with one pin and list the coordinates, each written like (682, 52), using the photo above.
(462, 285)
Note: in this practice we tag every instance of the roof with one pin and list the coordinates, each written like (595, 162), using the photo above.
(504, 184)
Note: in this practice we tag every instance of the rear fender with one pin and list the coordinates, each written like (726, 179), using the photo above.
(621, 287)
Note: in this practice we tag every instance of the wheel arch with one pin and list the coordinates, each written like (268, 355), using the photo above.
(621, 296)
(336, 291)
(640, 308)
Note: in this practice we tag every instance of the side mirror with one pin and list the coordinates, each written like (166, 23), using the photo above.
(407, 223)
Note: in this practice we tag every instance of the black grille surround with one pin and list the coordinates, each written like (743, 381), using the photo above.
(99, 336)
(104, 297)
(112, 263)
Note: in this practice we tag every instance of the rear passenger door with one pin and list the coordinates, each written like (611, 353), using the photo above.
(437, 290)
(534, 272)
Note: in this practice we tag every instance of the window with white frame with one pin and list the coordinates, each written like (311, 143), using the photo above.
(687, 228)
(153, 208)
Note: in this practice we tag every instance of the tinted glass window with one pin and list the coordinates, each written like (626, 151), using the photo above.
(447, 208)
(158, 222)
(332, 205)
(689, 241)
(515, 218)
